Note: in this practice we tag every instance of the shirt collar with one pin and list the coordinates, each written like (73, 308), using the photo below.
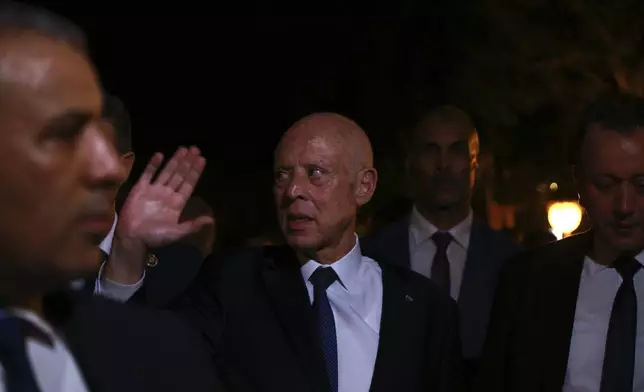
(592, 267)
(422, 229)
(347, 268)
(106, 244)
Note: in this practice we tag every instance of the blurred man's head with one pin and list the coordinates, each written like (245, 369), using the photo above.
(323, 174)
(59, 166)
(442, 155)
(117, 118)
(609, 168)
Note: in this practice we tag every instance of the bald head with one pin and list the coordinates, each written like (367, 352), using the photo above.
(339, 132)
(323, 174)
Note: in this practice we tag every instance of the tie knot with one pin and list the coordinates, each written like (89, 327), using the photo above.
(442, 239)
(627, 267)
(323, 277)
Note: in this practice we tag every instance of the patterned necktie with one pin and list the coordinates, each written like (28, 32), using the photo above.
(13, 353)
(440, 267)
(619, 355)
(321, 279)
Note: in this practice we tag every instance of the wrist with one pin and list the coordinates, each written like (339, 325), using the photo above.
(127, 261)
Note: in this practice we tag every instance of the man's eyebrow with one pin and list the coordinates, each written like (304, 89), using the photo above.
(72, 118)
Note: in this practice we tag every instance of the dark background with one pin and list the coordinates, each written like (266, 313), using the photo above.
(231, 77)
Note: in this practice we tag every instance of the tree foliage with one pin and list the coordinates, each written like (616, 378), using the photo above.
(538, 62)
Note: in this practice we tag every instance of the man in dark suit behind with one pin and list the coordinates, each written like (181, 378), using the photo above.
(317, 315)
(440, 238)
(57, 171)
(568, 317)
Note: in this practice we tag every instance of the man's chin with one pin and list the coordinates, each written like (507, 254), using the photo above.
(446, 203)
(301, 242)
(629, 246)
(81, 264)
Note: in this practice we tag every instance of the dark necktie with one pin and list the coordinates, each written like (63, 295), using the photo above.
(13, 353)
(619, 356)
(321, 279)
(440, 267)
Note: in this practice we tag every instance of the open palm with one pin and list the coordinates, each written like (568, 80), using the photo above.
(152, 209)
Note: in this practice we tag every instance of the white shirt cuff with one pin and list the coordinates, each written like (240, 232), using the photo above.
(115, 291)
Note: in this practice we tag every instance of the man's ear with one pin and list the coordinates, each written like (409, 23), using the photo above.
(128, 162)
(366, 185)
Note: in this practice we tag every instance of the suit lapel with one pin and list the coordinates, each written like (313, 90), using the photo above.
(394, 343)
(560, 291)
(476, 272)
(477, 288)
(289, 298)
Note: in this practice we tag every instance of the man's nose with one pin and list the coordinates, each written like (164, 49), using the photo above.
(625, 200)
(102, 161)
(295, 188)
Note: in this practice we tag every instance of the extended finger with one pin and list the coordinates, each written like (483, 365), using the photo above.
(185, 167)
(190, 182)
(171, 166)
(151, 169)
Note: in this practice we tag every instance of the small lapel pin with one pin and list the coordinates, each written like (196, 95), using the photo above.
(152, 260)
(408, 298)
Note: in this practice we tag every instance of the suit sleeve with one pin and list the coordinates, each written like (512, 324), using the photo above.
(115, 291)
(161, 284)
(496, 358)
(177, 267)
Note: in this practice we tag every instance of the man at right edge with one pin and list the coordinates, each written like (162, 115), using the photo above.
(567, 316)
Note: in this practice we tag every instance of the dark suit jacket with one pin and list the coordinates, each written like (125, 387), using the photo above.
(266, 342)
(486, 253)
(531, 323)
(124, 349)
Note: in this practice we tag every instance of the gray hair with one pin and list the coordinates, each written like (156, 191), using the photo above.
(15, 16)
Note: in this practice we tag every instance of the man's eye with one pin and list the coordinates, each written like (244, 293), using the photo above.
(69, 127)
(315, 173)
(67, 133)
(281, 176)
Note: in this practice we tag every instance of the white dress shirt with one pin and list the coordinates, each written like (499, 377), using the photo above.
(108, 288)
(357, 307)
(422, 248)
(54, 367)
(597, 290)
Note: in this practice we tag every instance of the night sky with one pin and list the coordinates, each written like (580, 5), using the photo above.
(232, 81)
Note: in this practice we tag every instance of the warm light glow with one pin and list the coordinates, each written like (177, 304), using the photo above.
(554, 186)
(564, 216)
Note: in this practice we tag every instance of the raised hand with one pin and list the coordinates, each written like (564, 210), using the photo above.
(151, 212)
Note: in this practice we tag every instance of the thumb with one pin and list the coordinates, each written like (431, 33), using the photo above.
(193, 226)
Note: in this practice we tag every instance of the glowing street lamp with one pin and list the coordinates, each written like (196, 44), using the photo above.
(564, 217)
